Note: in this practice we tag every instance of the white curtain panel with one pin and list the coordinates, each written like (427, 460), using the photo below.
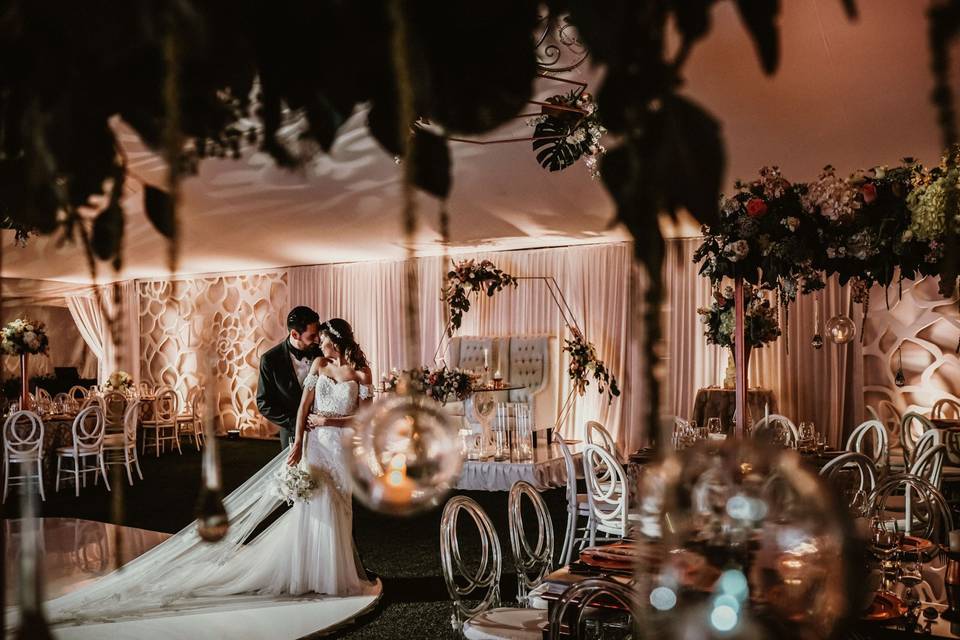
(824, 386)
(598, 282)
(93, 329)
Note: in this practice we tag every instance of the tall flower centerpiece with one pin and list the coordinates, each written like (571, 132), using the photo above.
(720, 323)
(119, 381)
(24, 337)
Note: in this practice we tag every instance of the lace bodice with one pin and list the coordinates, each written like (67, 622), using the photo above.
(332, 398)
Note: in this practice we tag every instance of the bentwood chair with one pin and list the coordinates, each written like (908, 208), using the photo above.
(78, 393)
(532, 563)
(577, 507)
(88, 430)
(910, 433)
(23, 446)
(113, 403)
(476, 611)
(190, 421)
(866, 477)
(926, 512)
(598, 435)
(778, 427)
(121, 448)
(608, 494)
(161, 426)
(945, 408)
(872, 434)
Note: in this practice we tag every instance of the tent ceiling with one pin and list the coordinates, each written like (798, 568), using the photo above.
(852, 94)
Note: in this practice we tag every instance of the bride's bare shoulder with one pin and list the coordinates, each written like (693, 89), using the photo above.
(319, 364)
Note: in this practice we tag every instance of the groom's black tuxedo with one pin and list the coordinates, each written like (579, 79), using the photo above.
(279, 391)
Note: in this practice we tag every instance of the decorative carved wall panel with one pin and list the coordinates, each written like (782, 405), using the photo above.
(239, 316)
(927, 328)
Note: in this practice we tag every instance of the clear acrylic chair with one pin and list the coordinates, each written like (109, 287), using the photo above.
(866, 480)
(88, 431)
(121, 448)
(23, 446)
(598, 435)
(776, 425)
(570, 616)
(872, 433)
(532, 563)
(113, 403)
(476, 593)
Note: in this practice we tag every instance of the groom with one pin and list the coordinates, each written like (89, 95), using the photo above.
(283, 369)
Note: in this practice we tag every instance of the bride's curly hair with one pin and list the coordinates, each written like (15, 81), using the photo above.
(340, 334)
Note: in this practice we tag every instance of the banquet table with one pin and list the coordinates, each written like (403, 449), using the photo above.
(546, 470)
(716, 402)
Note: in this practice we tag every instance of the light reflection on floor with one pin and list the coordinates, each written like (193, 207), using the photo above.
(75, 551)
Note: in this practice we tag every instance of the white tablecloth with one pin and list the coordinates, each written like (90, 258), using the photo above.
(487, 475)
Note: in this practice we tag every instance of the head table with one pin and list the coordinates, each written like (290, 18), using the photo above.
(546, 470)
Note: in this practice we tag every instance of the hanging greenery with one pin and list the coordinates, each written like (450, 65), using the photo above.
(470, 278)
(563, 136)
(584, 363)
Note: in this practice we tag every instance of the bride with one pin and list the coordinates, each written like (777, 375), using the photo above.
(307, 549)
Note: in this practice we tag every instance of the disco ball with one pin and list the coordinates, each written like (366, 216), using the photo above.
(404, 455)
(841, 329)
(740, 540)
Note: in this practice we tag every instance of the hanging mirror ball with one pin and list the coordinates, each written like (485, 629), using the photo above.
(841, 329)
(404, 455)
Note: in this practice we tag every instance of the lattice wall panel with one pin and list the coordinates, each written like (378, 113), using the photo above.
(240, 316)
(927, 327)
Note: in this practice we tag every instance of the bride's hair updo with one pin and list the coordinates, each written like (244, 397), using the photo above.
(340, 334)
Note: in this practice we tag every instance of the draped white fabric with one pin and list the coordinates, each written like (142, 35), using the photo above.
(121, 351)
(93, 328)
(598, 282)
(824, 386)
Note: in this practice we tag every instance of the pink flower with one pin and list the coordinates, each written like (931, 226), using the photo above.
(756, 207)
(869, 192)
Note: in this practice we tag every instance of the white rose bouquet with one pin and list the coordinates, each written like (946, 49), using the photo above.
(294, 483)
(24, 336)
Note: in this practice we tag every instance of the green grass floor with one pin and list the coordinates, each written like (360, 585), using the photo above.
(403, 552)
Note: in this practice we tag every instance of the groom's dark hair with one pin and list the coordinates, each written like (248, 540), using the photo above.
(300, 317)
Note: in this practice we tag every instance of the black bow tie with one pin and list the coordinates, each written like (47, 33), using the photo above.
(300, 354)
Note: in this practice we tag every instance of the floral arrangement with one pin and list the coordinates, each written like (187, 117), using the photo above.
(564, 135)
(865, 229)
(441, 384)
(294, 483)
(719, 319)
(119, 381)
(584, 362)
(468, 277)
(24, 336)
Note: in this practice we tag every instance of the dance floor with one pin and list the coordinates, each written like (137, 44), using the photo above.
(76, 552)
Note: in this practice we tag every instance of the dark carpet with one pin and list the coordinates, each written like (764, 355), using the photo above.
(403, 552)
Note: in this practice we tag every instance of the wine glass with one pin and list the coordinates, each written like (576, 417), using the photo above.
(714, 426)
(806, 436)
(911, 572)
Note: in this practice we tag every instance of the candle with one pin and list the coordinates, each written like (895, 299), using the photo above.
(766, 413)
(486, 358)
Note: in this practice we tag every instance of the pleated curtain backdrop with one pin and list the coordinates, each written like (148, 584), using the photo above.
(598, 282)
(824, 386)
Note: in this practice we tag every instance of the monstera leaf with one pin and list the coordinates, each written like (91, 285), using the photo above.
(550, 137)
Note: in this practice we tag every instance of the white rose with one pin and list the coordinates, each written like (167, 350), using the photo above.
(880, 172)
(30, 337)
(28, 327)
(907, 235)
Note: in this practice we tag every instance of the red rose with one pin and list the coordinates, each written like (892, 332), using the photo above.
(869, 192)
(756, 207)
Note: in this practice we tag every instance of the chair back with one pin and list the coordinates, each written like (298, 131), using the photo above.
(23, 436)
(608, 494)
(879, 441)
(859, 464)
(131, 418)
(598, 435)
(166, 405)
(77, 392)
(145, 388)
(113, 403)
(88, 428)
(908, 435)
(925, 506)
(581, 597)
(928, 463)
(777, 427)
(43, 395)
(532, 563)
(568, 540)
(945, 408)
(482, 586)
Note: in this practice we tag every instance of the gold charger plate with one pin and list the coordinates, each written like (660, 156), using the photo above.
(885, 606)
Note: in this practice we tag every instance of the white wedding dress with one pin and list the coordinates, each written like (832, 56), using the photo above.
(308, 549)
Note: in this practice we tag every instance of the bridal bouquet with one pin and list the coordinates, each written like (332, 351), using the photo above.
(294, 483)
(119, 381)
(24, 336)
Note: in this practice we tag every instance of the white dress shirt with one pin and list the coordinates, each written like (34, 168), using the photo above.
(301, 367)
